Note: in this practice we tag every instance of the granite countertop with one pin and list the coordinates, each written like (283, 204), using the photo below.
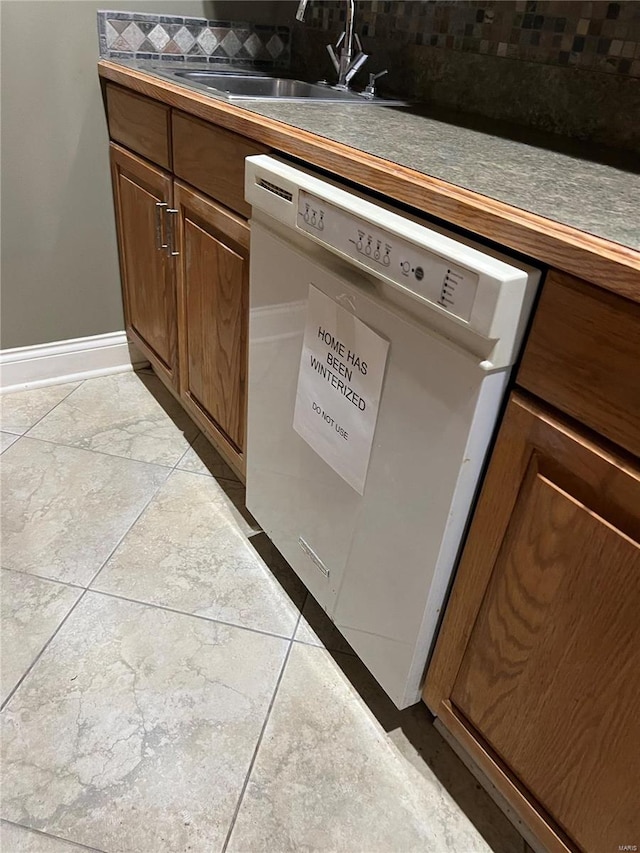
(599, 198)
(591, 189)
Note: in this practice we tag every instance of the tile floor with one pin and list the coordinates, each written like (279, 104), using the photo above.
(167, 684)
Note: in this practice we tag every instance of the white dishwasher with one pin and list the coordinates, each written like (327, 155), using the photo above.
(380, 349)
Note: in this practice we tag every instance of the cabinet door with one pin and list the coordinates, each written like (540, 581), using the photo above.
(213, 284)
(538, 660)
(146, 269)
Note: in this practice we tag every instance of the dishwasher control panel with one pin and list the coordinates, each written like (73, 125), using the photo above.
(415, 268)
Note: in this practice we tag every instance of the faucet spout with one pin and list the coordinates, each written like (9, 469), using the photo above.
(347, 62)
(349, 29)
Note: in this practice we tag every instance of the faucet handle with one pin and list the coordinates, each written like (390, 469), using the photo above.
(334, 57)
(370, 88)
(374, 77)
(356, 65)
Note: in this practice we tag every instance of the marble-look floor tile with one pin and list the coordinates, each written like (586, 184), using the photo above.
(316, 629)
(6, 440)
(64, 510)
(327, 778)
(186, 554)
(17, 839)
(135, 729)
(22, 409)
(126, 415)
(31, 611)
(421, 746)
(203, 458)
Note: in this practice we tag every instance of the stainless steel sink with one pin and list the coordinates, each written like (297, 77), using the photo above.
(259, 87)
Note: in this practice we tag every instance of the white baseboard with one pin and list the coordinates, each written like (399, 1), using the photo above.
(67, 361)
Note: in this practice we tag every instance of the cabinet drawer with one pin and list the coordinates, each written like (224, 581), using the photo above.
(212, 160)
(583, 356)
(140, 124)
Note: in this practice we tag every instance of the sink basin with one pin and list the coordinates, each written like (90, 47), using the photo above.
(238, 87)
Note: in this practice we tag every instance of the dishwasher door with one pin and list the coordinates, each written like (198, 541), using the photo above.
(379, 563)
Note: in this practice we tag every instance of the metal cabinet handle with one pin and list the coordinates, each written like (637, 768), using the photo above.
(160, 244)
(171, 236)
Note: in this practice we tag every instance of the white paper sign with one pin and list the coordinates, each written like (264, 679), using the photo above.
(339, 387)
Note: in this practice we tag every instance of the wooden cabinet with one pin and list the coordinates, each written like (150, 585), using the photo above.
(142, 194)
(140, 124)
(213, 290)
(583, 356)
(536, 672)
(212, 159)
(184, 258)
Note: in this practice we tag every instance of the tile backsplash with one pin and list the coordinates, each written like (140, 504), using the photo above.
(567, 67)
(174, 38)
(601, 36)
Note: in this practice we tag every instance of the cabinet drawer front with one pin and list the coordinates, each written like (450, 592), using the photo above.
(212, 160)
(583, 356)
(140, 124)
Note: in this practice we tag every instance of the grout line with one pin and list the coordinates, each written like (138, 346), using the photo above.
(97, 452)
(322, 646)
(87, 588)
(77, 844)
(82, 595)
(198, 435)
(191, 443)
(191, 615)
(66, 397)
(172, 467)
(138, 517)
(42, 577)
(41, 652)
(259, 742)
(126, 532)
(210, 475)
(91, 588)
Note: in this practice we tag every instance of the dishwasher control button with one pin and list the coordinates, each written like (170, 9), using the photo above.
(405, 266)
(367, 249)
(386, 260)
(419, 273)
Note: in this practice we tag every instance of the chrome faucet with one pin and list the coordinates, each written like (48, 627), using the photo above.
(345, 63)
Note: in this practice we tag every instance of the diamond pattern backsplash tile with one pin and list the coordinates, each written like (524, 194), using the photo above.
(184, 39)
(135, 35)
(158, 38)
(207, 41)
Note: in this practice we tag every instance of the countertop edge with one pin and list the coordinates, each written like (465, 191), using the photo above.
(602, 262)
